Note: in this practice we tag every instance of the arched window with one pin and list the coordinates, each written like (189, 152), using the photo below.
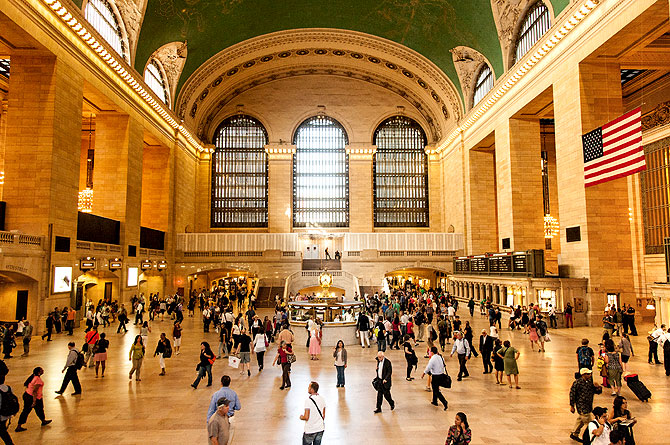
(153, 76)
(533, 27)
(320, 174)
(100, 14)
(484, 84)
(240, 174)
(400, 174)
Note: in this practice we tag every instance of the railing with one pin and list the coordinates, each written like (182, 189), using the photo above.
(389, 241)
(237, 242)
(115, 248)
(354, 253)
(20, 239)
(341, 274)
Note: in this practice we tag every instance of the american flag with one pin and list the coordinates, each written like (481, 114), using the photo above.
(614, 150)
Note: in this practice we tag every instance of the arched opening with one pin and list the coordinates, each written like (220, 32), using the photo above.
(535, 24)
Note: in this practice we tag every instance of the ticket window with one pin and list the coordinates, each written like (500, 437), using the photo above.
(546, 297)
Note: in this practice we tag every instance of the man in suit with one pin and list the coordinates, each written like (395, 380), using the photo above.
(486, 347)
(384, 371)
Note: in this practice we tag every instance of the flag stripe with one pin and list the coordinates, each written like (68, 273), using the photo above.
(620, 175)
(624, 163)
(596, 165)
(620, 136)
(637, 110)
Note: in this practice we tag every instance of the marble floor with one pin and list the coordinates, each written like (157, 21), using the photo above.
(167, 410)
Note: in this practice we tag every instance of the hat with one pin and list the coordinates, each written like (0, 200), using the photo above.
(222, 401)
(585, 371)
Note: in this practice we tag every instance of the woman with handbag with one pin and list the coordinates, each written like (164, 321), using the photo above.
(205, 366)
(282, 359)
(261, 344)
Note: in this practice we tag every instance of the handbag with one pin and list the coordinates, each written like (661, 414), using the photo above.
(212, 360)
(547, 339)
(290, 358)
(377, 383)
(233, 362)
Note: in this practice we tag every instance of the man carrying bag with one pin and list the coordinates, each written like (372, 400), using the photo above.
(438, 369)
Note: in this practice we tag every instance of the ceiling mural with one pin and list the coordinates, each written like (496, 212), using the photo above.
(430, 27)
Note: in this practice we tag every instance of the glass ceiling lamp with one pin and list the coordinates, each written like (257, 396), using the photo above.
(551, 228)
(650, 305)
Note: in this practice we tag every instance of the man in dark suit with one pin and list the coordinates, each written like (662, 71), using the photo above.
(384, 371)
(486, 347)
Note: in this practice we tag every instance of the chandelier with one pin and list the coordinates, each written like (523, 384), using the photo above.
(551, 228)
(85, 203)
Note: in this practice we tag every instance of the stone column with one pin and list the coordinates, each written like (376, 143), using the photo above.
(3, 137)
(361, 198)
(155, 186)
(436, 198)
(280, 187)
(519, 184)
(586, 97)
(480, 203)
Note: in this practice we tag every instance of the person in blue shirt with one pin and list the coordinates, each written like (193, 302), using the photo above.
(462, 348)
(235, 405)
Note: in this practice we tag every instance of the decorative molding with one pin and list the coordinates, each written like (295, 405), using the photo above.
(131, 14)
(506, 14)
(468, 62)
(172, 57)
(657, 117)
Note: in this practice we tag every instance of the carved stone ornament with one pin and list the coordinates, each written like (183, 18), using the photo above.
(131, 13)
(173, 57)
(658, 117)
(468, 62)
(506, 14)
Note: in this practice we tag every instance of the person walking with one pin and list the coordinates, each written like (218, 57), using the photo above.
(383, 382)
(485, 348)
(462, 348)
(218, 425)
(176, 337)
(585, 355)
(599, 430)
(27, 336)
(438, 370)
(614, 367)
(381, 335)
(281, 358)
(123, 320)
(50, 327)
(261, 344)
(145, 330)
(510, 356)
(163, 351)
(205, 365)
(340, 356)
(626, 349)
(244, 351)
(91, 338)
(101, 355)
(5, 390)
(314, 416)
(459, 433)
(223, 342)
(581, 400)
(136, 356)
(72, 364)
(32, 399)
(410, 358)
(9, 342)
(234, 404)
(363, 328)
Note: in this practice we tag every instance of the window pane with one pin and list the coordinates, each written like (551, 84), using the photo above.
(535, 24)
(240, 174)
(100, 14)
(155, 81)
(320, 174)
(655, 188)
(400, 174)
(484, 84)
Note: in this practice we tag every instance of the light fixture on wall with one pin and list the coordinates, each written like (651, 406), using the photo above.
(650, 305)
(551, 228)
(85, 203)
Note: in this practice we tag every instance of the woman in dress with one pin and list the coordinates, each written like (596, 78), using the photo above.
(136, 355)
(32, 398)
(340, 356)
(614, 367)
(205, 365)
(524, 319)
(459, 433)
(533, 336)
(261, 344)
(101, 354)
(244, 351)
(315, 341)
(510, 356)
(498, 362)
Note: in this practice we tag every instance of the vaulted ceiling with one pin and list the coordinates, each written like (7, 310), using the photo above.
(429, 27)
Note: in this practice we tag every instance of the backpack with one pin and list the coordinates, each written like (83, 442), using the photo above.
(168, 350)
(10, 403)
(583, 356)
(81, 361)
(586, 437)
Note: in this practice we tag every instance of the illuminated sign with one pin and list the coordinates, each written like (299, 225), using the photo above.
(87, 263)
(133, 274)
(146, 265)
(115, 264)
(62, 279)
(162, 265)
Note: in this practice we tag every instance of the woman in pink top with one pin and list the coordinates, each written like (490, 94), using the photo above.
(32, 398)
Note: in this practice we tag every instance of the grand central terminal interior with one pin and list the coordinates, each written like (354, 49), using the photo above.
(401, 173)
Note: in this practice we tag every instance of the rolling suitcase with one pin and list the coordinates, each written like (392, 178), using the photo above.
(637, 387)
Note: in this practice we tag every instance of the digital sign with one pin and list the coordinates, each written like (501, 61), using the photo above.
(62, 279)
(133, 274)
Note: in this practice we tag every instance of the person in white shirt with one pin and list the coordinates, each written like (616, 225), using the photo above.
(438, 370)
(655, 338)
(599, 429)
(462, 348)
(314, 416)
(494, 332)
(451, 312)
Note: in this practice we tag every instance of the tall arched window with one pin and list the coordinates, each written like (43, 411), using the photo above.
(534, 25)
(240, 174)
(154, 78)
(484, 84)
(100, 14)
(320, 174)
(400, 174)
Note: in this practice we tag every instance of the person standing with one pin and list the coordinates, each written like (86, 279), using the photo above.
(581, 400)
(101, 354)
(32, 398)
(438, 370)
(568, 316)
(163, 351)
(631, 320)
(552, 317)
(498, 362)
(626, 349)
(510, 356)
(281, 358)
(383, 382)
(234, 404)
(9, 342)
(70, 369)
(261, 344)
(314, 416)
(27, 336)
(136, 356)
(381, 335)
(50, 327)
(244, 351)
(599, 429)
(363, 328)
(71, 315)
(205, 365)
(218, 425)
(485, 347)
(315, 341)
(462, 349)
(585, 355)
(176, 337)
(410, 358)
(653, 339)
(459, 433)
(340, 356)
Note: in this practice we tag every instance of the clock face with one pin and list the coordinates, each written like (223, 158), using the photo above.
(325, 279)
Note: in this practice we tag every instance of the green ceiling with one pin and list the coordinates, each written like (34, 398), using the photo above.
(430, 27)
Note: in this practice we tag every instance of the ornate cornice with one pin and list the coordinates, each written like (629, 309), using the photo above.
(658, 117)
(506, 14)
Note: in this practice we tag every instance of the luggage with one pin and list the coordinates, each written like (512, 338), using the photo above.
(637, 387)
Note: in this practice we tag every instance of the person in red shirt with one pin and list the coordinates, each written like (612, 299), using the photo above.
(32, 398)
(91, 338)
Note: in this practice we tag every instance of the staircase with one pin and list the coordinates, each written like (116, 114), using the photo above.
(266, 295)
(319, 264)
